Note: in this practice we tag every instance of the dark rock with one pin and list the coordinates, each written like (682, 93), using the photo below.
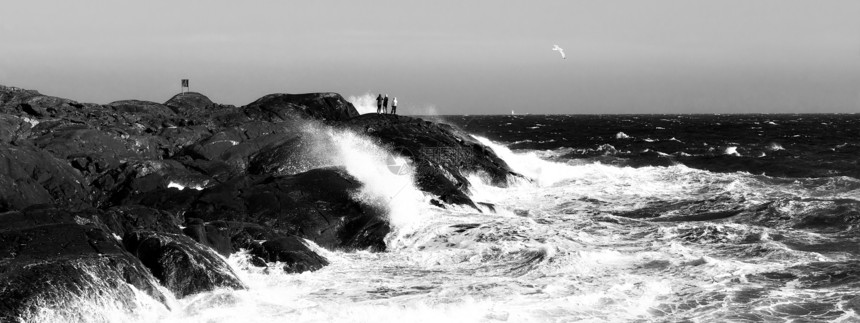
(92, 151)
(441, 154)
(293, 251)
(317, 205)
(295, 254)
(142, 110)
(129, 218)
(285, 107)
(214, 235)
(174, 139)
(237, 146)
(130, 183)
(293, 156)
(30, 103)
(14, 128)
(182, 265)
(191, 104)
(48, 260)
(30, 176)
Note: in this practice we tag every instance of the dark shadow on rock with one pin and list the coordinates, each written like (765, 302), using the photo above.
(182, 265)
(47, 259)
(318, 205)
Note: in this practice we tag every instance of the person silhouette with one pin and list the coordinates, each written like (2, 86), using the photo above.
(394, 106)
(385, 104)
(379, 104)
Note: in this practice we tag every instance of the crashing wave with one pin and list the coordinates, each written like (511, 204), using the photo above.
(731, 151)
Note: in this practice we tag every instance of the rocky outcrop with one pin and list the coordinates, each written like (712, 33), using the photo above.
(51, 258)
(191, 104)
(30, 176)
(442, 155)
(185, 183)
(285, 107)
(182, 265)
(317, 205)
(294, 253)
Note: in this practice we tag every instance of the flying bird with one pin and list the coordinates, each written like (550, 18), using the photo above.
(560, 51)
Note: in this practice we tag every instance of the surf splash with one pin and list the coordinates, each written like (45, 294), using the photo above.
(581, 241)
(364, 103)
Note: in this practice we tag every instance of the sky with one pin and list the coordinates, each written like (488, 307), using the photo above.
(445, 56)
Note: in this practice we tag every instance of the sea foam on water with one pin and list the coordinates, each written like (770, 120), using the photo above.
(557, 248)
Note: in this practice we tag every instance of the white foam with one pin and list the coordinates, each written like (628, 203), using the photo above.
(32, 122)
(393, 191)
(530, 165)
(775, 147)
(365, 103)
(180, 186)
(731, 151)
(621, 135)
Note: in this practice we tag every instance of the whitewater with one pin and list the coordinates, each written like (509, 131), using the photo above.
(572, 240)
(554, 249)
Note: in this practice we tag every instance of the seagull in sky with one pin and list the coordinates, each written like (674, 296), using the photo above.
(560, 51)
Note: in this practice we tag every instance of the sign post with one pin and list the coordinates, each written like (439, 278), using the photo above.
(184, 87)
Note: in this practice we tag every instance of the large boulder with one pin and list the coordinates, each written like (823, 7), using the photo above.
(215, 235)
(191, 104)
(50, 263)
(131, 182)
(262, 243)
(182, 265)
(295, 254)
(239, 145)
(31, 176)
(442, 155)
(317, 205)
(284, 107)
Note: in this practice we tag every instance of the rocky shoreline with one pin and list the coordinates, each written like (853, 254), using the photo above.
(144, 195)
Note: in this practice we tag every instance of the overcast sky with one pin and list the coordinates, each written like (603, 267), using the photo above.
(451, 56)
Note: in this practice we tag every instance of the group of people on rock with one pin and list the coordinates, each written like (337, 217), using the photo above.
(382, 104)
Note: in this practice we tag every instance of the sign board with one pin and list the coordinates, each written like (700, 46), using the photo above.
(184, 82)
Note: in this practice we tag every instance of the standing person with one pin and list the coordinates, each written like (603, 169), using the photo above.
(379, 104)
(385, 104)
(394, 106)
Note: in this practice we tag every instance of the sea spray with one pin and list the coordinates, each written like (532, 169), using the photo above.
(546, 173)
(364, 103)
(392, 191)
(100, 296)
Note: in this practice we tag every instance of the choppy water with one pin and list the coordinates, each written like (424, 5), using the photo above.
(601, 234)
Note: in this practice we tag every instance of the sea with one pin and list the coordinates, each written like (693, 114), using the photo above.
(617, 218)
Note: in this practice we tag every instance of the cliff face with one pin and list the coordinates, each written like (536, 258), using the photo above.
(127, 174)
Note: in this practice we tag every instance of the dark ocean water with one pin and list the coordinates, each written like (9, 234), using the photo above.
(791, 145)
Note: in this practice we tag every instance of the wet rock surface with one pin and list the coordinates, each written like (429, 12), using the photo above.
(182, 265)
(55, 258)
(442, 155)
(139, 193)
